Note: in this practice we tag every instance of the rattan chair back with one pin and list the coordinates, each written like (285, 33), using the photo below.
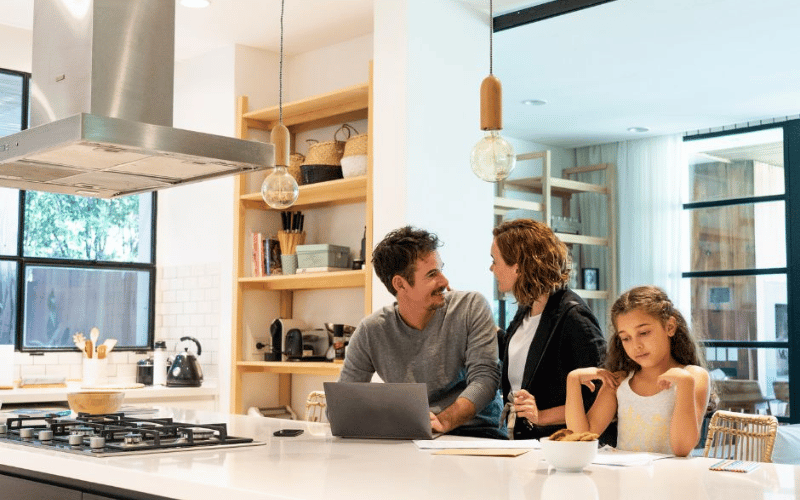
(315, 406)
(741, 436)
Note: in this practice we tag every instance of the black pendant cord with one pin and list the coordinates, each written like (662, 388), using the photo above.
(280, 74)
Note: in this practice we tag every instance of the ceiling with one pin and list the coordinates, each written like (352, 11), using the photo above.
(675, 66)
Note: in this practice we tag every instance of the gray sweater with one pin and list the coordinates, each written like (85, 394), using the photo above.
(455, 354)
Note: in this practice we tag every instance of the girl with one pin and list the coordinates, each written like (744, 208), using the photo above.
(653, 379)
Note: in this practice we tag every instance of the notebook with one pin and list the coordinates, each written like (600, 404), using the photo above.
(378, 410)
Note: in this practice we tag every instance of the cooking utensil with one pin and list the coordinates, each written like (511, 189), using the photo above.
(88, 348)
(101, 351)
(185, 370)
(94, 334)
(109, 343)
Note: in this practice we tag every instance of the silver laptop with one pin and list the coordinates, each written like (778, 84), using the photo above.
(378, 410)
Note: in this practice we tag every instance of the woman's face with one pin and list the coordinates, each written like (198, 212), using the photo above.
(506, 275)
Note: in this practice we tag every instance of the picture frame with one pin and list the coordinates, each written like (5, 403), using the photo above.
(591, 278)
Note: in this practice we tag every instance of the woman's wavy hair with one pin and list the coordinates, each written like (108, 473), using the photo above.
(651, 300)
(543, 260)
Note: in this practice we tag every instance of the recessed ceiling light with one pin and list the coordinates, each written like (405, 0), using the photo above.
(638, 130)
(534, 102)
(196, 4)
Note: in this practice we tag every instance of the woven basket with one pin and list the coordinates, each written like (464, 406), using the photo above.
(295, 160)
(356, 145)
(325, 153)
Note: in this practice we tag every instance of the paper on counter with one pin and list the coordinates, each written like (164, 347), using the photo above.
(477, 444)
(483, 452)
(627, 458)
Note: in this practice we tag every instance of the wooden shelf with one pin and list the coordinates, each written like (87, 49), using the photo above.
(558, 186)
(320, 194)
(291, 367)
(349, 104)
(581, 239)
(591, 294)
(334, 108)
(306, 281)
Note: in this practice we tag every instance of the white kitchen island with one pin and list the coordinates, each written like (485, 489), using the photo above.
(316, 465)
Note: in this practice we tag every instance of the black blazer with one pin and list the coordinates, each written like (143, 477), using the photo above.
(568, 337)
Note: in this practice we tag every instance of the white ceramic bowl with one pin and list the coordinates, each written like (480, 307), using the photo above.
(569, 456)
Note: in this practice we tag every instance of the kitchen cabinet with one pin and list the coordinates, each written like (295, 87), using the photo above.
(345, 105)
(24, 489)
(543, 193)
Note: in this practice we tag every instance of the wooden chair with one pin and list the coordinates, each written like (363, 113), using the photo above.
(315, 406)
(741, 436)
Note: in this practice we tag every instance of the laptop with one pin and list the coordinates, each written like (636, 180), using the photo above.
(378, 410)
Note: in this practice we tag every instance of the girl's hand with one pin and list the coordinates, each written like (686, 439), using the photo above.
(525, 404)
(674, 376)
(586, 376)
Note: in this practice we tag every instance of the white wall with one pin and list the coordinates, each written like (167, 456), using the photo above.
(427, 77)
(15, 48)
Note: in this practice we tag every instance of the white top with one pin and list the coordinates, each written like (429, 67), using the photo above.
(518, 349)
(643, 421)
(316, 466)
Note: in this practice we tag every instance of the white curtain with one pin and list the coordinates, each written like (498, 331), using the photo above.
(650, 234)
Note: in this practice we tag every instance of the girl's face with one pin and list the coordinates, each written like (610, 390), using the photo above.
(506, 275)
(645, 339)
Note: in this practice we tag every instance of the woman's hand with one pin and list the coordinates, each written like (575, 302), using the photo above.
(587, 376)
(674, 376)
(525, 404)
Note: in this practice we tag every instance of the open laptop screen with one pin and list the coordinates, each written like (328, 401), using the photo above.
(378, 410)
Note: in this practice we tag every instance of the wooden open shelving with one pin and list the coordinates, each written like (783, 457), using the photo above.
(550, 189)
(344, 105)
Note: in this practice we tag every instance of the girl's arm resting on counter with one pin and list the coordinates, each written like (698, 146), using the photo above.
(604, 408)
(691, 400)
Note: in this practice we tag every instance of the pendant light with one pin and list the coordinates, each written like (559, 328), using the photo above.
(279, 189)
(492, 158)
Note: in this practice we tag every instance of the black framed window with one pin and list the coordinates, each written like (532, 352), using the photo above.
(739, 209)
(71, 263)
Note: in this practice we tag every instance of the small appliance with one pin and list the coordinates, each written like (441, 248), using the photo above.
(278, 330)
(307, 345)
(185, 370)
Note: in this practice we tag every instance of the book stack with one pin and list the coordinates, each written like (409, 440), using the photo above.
(266, 255)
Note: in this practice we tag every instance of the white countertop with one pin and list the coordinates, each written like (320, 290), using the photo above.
(316, 465)
(141, 395)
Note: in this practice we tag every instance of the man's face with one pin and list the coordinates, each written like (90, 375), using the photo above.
(427, 293)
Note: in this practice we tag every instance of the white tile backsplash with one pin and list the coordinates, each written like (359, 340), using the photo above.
(187, 304)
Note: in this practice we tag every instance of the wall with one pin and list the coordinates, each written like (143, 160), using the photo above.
(15, 48)
(427, 77)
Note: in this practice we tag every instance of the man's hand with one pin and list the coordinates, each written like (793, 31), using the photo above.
(455, 415)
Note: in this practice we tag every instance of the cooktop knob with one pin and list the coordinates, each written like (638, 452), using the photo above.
(46, 435)
(3, 429)
(97, 442)
(133, 438)
(26, 433)
(75, 439)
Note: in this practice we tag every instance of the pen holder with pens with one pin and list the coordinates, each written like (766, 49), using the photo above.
(288, 242)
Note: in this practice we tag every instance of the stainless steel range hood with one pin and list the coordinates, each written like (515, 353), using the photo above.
(101, 107)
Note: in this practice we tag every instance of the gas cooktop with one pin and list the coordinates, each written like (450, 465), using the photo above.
(115, 434)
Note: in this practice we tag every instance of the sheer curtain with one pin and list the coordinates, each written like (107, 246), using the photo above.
(650, 178)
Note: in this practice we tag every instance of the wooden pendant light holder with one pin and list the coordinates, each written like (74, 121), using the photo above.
(491, 103)
(279, 136)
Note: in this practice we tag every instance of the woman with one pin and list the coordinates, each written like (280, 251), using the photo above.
(553, 332)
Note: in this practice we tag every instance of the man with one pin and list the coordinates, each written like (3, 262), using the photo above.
(445, 339)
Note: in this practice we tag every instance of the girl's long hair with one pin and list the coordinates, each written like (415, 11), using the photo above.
(653, 301)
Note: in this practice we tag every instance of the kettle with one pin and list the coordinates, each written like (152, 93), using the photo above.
(185, 370)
